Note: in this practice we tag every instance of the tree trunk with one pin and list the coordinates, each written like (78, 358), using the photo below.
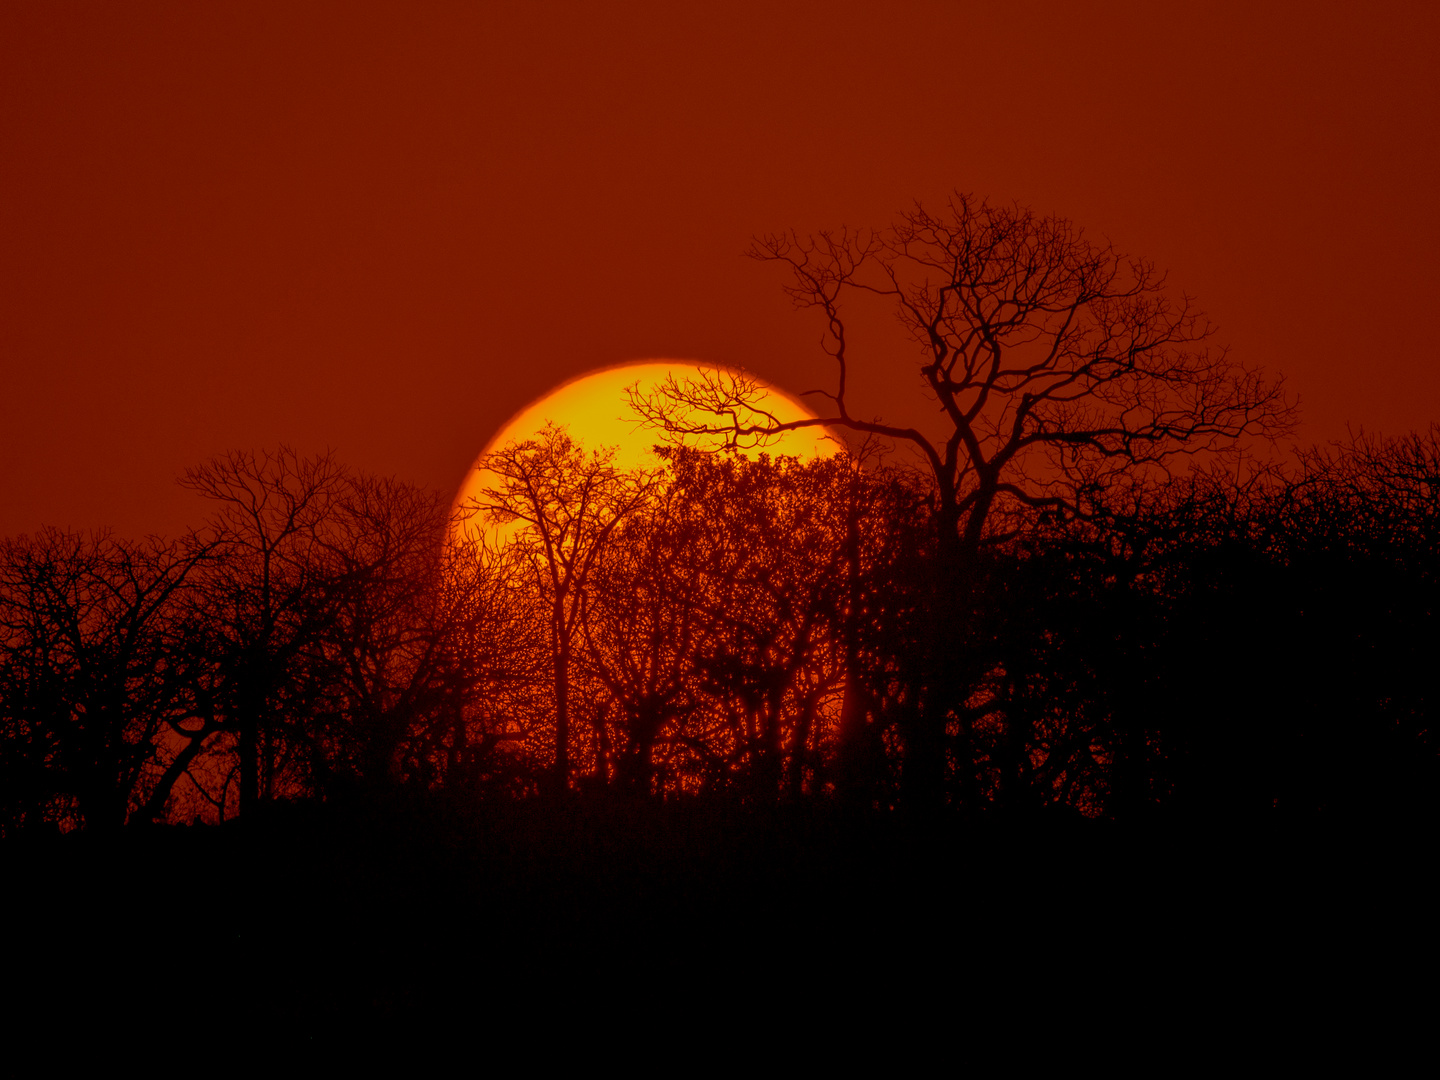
(795, 780)
(560, 778)
(155, 804)
(855, 778)
(459, 738)
(249, 763)
(851, 780)
(637, 766)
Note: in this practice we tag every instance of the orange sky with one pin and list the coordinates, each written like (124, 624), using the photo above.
(384, 228)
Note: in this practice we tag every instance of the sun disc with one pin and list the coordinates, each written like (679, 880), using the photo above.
(595, 411)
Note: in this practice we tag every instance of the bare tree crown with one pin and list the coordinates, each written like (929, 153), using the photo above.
(1057, 361)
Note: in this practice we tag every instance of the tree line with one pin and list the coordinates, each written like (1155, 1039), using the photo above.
(1083, 598)
(1217, 645)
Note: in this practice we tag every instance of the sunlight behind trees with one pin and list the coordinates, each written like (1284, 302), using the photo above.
(754, 631)
(1050, 621)
(595, 409)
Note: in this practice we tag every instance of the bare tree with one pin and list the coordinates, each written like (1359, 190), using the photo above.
(642, 623)
(774, 551)
(568, 503)
(490, 658)
(1058, 363)
(382, 647)
(95, 674)
(264, 597)
(420, 624)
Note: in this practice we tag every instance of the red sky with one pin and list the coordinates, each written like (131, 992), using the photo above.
(383, 228)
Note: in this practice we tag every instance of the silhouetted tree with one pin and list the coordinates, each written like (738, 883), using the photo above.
(888, 593)
(1223, 645)
(1324, 602)
(567, 503)
(492, 659)
(643, 625)
(769, 652)
(266, 600)
(94, 672)
(381, 646)
(423, 624)
(1058, 363)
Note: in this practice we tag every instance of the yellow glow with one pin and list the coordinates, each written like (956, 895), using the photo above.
(594, 408)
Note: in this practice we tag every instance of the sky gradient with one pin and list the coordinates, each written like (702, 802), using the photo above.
(384, 228)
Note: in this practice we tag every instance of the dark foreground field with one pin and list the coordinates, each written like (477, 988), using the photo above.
(319, 923)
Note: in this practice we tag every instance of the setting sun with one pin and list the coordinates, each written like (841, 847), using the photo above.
(595, 411)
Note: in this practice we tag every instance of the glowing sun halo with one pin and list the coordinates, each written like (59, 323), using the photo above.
(594, 409)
